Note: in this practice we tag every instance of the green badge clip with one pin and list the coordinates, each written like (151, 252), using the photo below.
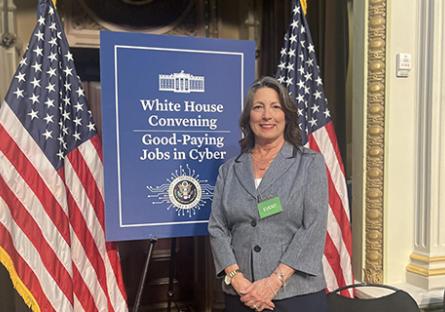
(269, 207)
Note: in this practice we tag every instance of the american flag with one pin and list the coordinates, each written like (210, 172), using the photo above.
(52, 238)
(298, 70)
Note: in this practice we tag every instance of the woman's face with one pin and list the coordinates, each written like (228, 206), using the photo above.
(267, 119)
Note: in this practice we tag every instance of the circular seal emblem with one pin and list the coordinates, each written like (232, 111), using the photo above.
(184, 192)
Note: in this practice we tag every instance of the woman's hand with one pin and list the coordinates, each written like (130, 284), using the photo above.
(260, 293)
(240, 284)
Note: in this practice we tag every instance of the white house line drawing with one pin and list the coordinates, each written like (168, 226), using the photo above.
(181, 82)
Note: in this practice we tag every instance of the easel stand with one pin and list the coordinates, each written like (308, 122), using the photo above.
(137, 302)
(171, 276)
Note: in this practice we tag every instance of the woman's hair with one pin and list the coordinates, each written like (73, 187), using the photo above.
(291, 131)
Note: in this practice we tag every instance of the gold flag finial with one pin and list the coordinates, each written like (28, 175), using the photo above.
(303, 6)
(55, 2)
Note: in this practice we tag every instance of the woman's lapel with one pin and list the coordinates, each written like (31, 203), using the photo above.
(244, 173)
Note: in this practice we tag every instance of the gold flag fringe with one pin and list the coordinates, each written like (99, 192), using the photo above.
(23, 291)
(303, 5)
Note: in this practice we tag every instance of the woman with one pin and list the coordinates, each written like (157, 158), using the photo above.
(268, 222)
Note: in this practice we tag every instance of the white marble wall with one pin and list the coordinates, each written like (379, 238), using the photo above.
(414, 147)
(427, 261)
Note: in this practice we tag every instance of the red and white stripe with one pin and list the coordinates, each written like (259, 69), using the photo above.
(338, 250)
(52, 223)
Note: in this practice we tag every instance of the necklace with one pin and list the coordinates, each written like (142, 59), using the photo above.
(262, 160)
(262, 163)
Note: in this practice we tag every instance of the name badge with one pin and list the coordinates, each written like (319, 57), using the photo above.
(269, 207)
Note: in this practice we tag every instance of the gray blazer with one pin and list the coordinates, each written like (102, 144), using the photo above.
(295, 237)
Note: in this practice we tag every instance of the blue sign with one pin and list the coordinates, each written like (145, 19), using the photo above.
(170, 108)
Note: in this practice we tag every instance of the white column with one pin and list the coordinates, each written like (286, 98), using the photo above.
(427, 261)
(8, 55)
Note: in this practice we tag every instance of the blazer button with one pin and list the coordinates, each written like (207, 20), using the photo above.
(253, 223)
(257, 248)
